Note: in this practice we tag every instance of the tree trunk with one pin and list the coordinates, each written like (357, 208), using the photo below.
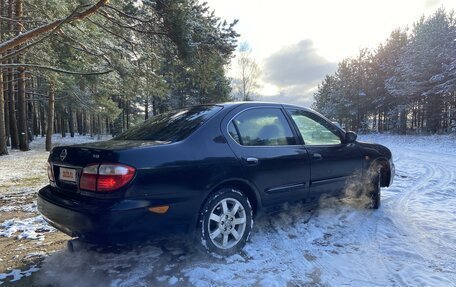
(62, 124)
(79, 122)
(50, 117)
(71, 122)
(85, 125)
(99, 126)
(3, 149)
(403, 122)
(6, 109)
(12, 112)
(154, 105)
(92, 125)
(10, 88)
(35, 110)
(146, 108)
(128, 114)
(31, 111)
(21, 107)
(42, 121)
(23, 137)
(3, 135)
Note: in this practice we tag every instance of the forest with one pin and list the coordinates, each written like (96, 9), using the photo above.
(93, 67)
(99, 67)
(406, 85)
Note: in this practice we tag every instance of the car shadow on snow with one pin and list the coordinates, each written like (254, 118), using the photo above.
(153, 263)
(283, 250)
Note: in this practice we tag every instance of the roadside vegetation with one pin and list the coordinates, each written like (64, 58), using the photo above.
(95, 67)
(405, 85)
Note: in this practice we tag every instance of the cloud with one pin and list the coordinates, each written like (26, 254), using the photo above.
(297, 64)
(431, 3)
(304, 100)
(296, 70)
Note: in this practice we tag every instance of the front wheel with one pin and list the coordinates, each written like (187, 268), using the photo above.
(375, 193)
(226, 222)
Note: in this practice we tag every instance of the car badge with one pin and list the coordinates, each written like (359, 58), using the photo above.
(63, 154)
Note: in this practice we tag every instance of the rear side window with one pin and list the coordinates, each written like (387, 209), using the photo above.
(171, 126)
(261, 127)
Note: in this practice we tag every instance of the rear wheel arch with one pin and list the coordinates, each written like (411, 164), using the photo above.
(242, 186)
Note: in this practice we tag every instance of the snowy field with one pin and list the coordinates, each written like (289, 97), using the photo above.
(409, 241)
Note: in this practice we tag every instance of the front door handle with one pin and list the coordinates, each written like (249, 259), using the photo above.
(317, 156)
(251, 161)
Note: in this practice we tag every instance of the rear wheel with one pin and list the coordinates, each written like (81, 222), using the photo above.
(226, 222)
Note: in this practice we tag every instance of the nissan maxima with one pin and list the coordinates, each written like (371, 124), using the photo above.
(206, 171)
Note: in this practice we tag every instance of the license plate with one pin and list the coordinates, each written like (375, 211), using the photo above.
(67, 174)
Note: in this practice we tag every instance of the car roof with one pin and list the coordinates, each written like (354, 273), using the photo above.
(260, 103)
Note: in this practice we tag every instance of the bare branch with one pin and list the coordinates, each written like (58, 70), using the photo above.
(24, 21)
(111, 32)
(26, 36)
(84, 48)
(18, 51)
(131, 27)
(128, 15)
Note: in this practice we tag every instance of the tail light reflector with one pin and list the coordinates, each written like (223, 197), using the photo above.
(106, 177)
(89, 176)
(50, 172)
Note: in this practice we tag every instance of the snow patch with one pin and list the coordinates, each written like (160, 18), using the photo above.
(29, 228)
(17, 274)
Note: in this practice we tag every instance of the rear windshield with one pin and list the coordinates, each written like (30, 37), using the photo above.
(170, 126)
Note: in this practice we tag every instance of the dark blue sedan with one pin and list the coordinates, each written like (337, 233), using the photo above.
(209, 169)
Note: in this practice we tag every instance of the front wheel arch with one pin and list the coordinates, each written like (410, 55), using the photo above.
(385, 171)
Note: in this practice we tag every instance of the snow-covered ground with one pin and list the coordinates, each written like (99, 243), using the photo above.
(409, 241)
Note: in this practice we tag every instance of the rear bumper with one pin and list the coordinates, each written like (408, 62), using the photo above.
(109, 221)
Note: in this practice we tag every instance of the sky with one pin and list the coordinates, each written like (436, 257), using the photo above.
(297, 43)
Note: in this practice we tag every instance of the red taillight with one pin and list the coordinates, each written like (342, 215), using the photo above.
(113, 176)
(105, 177)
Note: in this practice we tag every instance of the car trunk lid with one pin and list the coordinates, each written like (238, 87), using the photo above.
(67, 162)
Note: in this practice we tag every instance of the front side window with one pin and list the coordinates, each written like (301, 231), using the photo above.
(170, 126)
(261, 127)
(314, 130)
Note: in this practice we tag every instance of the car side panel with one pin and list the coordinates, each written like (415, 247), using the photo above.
(332, 166)
(282, 173)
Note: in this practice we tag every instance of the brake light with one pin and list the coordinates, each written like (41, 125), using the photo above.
(111, 177)
(106, 177)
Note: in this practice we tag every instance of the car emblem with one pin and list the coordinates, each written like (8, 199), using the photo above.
(63, 154)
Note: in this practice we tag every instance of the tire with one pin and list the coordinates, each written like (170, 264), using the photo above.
(375, 194)
(222, 231)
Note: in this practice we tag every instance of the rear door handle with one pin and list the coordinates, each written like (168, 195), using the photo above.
(317, 156)
(251, 161)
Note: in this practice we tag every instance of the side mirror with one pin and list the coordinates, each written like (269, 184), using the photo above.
(350, 137)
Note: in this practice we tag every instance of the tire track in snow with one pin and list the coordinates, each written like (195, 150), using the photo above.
(408, 217)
